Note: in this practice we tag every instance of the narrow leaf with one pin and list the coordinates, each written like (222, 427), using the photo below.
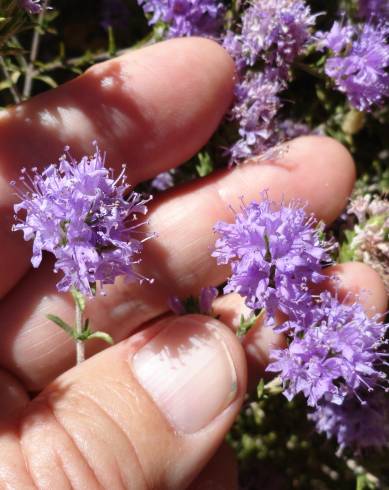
(102, 336)
(58, 321)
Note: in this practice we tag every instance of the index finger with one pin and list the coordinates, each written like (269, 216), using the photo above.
(152, 109)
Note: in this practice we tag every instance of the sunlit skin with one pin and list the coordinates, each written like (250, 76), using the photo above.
(94, 426)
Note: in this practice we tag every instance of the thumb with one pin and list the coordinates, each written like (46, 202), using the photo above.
(147, 413)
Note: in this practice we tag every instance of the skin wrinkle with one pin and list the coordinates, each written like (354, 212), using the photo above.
(29, 470)
(27, 473)
(96, 406)
(131, 446)
(25, 460)
(60, 463)
(74, 440)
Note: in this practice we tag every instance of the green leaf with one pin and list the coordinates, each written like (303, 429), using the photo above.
(346, 251)
(261, 388)
(47, 80)
(111, 42)
(205, 166)
(364, 483)
(78, 298)
(5, 84)
(102, 336)
(58, 321)
(247, 323)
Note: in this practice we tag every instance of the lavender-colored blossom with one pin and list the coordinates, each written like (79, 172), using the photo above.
(85, 217)
(374, 9)
(275, 251)
(272, 33)
(31, 6)
(353, 424)
(360, 62)
(255, 109)
(206, 298)
(337, 38)
(163, 181)
(336, 355)
(275, 31)
(186, 17)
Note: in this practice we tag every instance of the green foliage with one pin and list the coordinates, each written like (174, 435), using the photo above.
(279, 449)
(205, 165)
(246, 324)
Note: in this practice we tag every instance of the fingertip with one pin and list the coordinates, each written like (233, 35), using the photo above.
(325, 173)
(359, 280)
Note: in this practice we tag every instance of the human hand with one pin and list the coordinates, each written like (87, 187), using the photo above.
(151, 411)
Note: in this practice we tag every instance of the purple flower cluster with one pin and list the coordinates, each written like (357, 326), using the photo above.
(354, 424)
(358, 62)
(256, 106)
(273, 33)
(86, 218)
(31, 6)
(335, 352)
(186, 17)
(333, 355)
(275, 251)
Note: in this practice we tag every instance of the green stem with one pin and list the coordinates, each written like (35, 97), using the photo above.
(34, 53)
(12, 87)
(80, 344)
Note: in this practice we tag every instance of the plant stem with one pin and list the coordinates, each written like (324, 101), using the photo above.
(12, 87)
(90, 59)
(80, 344)
(34, 53)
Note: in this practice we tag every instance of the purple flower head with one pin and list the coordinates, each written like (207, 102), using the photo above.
(337, 39)
(256, 106)
(206, 298)
(186, 17)
(359, 65)
(334, 355)
(31, 6)
(163, 181)
(374, 9)
(353, 424)
(275, 251)
(275, 31)
(85, 218)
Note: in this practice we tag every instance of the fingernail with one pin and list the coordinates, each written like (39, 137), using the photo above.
(188, 371)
